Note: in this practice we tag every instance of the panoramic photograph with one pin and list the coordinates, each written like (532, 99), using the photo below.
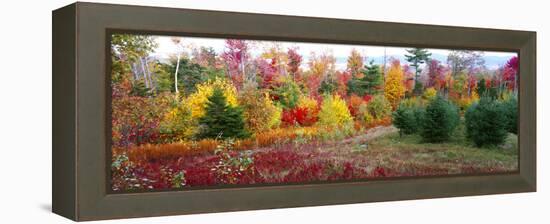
(191, 112)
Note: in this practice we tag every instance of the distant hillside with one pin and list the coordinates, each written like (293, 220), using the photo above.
(492, 62)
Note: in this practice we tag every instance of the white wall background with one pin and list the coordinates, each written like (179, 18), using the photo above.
(25, 119)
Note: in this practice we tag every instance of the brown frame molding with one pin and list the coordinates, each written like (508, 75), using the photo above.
(80, 109)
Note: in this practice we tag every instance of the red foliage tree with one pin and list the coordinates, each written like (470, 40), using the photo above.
(367, 98)
(436, 74)
(298, 115)
(235, 56)
(294, 62)
(268, 73)
(510, 73)
(408, 78)
(313, 82)
(342, 79)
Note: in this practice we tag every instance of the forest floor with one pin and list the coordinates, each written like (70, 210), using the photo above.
(409, 155)
(381, 151)
(377, 153)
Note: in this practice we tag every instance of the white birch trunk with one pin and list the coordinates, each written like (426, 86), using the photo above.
(176, 73)
(149, 77)
(144, 73)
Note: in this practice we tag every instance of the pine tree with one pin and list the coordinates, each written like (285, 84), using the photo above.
(417, 57)
(222, 120)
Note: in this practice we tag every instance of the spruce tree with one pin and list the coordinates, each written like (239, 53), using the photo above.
(439, 120)
(406, 118)
(486, 122)
(369, 83)
(482, 87)
(222, 120)
(494, 91)
(510, 107)
(357, 86)
(373, 77)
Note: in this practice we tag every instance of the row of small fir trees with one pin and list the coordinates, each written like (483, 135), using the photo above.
(487, 122)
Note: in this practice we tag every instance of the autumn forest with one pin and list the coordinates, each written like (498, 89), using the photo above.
(197, 112)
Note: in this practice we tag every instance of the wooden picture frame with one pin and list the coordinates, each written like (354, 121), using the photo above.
(81, 109)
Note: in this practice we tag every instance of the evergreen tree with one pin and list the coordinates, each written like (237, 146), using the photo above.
(221, 119)
(328, 86)
(288, 93)
(487, 91)
(417, 57)
(493, 90)
(486, 122)
(357, 86)
(510, 107)
(481, 87)
(369, 83)
(373, 78)
(439, 120)
(407, 118)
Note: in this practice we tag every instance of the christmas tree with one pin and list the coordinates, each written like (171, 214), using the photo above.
(222, 120)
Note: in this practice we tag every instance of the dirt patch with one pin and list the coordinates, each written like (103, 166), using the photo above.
(371, 134)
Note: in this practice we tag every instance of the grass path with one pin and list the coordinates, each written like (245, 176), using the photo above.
(371, 134)
(409, 155)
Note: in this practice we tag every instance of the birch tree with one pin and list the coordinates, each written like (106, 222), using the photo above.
(177, 42)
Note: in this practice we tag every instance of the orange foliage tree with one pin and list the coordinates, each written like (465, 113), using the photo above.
(394, 88)
(355, 64)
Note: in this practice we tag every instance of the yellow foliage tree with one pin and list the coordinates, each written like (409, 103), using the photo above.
(276, 52)
(464, 103)
(430, 93)
(334, 111)
(379, 107)
(197, 101)
(307, 102)
(364, 115)
(311, 105)
(177, 122)
(461, 93)
(394, 88)
(322, 65)
(355, 64)
(260, 112)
